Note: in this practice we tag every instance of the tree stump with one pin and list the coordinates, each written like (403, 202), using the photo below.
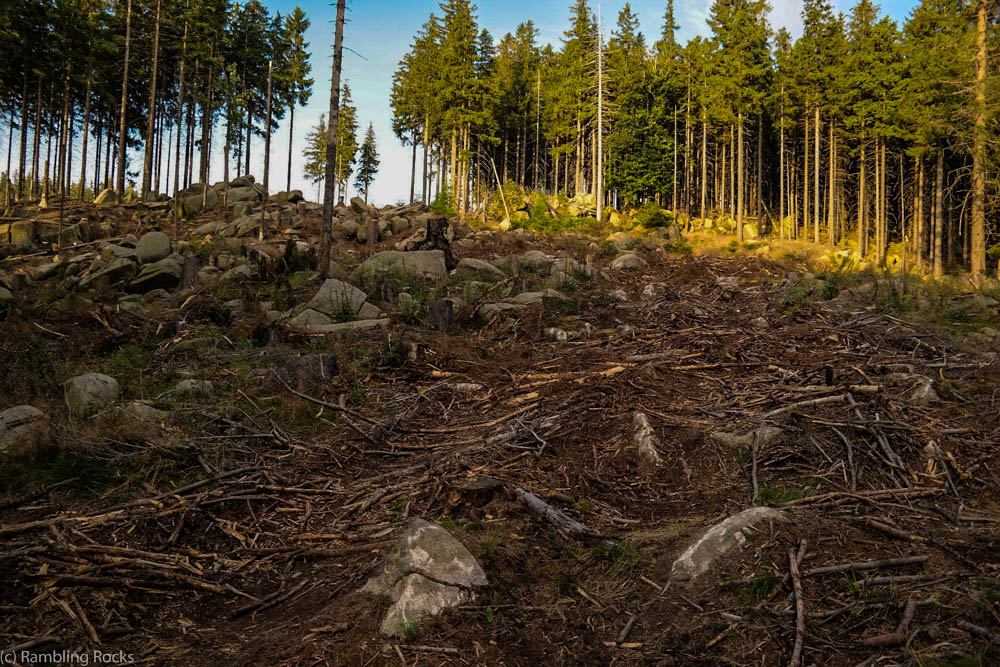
(441, 314)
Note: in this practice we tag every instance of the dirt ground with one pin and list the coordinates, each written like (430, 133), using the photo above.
(242, 536)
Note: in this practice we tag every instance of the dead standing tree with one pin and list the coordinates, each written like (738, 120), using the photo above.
(331, 141)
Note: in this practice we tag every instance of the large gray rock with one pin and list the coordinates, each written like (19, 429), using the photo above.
(46, 271)
(310, 317)
(292, 196)
(628, 262)
(6, 295)
(145, 413)
(337, 298)
(244, 181)
(242, 194)
(191, 205)
(112, 274)
(478, 269)
(23, 426)
(426, 572)
(90, 393)
(718, 540)
(152, 247)
(343, 327)
(164, 274)
(107, 196)
(425, 264)
(528, 298)
(535, 260)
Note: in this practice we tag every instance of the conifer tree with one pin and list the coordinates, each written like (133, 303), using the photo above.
(368, 163)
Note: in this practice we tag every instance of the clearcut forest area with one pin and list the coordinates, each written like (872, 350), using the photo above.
(650, 350)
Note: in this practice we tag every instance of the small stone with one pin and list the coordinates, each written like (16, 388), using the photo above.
(765, 436)
(728, 283)
(618, 295)
(145, 413)
(629, 262)
(759, 323)
(191, 387)
(426, 572)
(556, 334)
(89, 393)
(719, 540)
(22, 427)
(644, 443)
(152, 247)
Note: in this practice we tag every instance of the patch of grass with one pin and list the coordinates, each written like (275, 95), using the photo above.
(410, 630)
(771, 495)
(448, 523)
(679, 246)
(619, 556)
(488, 544)
(564, 585)
(760, 587)
(24, 471)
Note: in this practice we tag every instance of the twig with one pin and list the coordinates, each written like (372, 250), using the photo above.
(800, 610)
(985, 633)
(839, 398)
(865, 565)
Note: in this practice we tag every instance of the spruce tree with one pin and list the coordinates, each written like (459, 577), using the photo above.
(368, 163)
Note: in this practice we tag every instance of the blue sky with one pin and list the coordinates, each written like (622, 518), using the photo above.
(379, 32)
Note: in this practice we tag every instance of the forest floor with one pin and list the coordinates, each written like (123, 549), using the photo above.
(240, 532)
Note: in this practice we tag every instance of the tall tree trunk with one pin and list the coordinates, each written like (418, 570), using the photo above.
(760, 175)
(204, 165)
(180, 124)
(739, 180)
(425, 186)
(673, 182)
(267, 153)
(85, 137)
(704, 162)
(291, 126)
(35, 183)
(816, 191)
(832, 177)
(805, 180)
(22, 159)
(918, 212)
(147, 161)
(333, 127)
(939, 215)
(122, 130)
(781, 168)
(977, 234)
(64, 144)
(454, 163)
(413, 165)
(862, 233)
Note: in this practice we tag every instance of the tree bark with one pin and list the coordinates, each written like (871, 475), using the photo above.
(147, 162)
(180, 124)
(122, 130)
(333, 126)
(816, 191)
(977, 234)
(939, 215)
(739, 179)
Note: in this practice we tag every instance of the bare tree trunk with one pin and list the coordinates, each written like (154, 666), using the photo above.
(291, 127)
(977, 234)
(816, 191)
(267, 153)
(425, 186)
(673, 182)
(918, 212)
(147, 162)
(832, 177)
(939, 215)
(333, 127)
(781, 168)
(739, 180)
(180, 124)
(805, 180)
(83, 148)
(35, 183)
(122, 130)
(704, 162)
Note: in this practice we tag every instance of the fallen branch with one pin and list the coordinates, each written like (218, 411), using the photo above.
(800, 610)
(985, 633)
(839, 398)
(566, 526)
(899, 636)
(865, 565)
